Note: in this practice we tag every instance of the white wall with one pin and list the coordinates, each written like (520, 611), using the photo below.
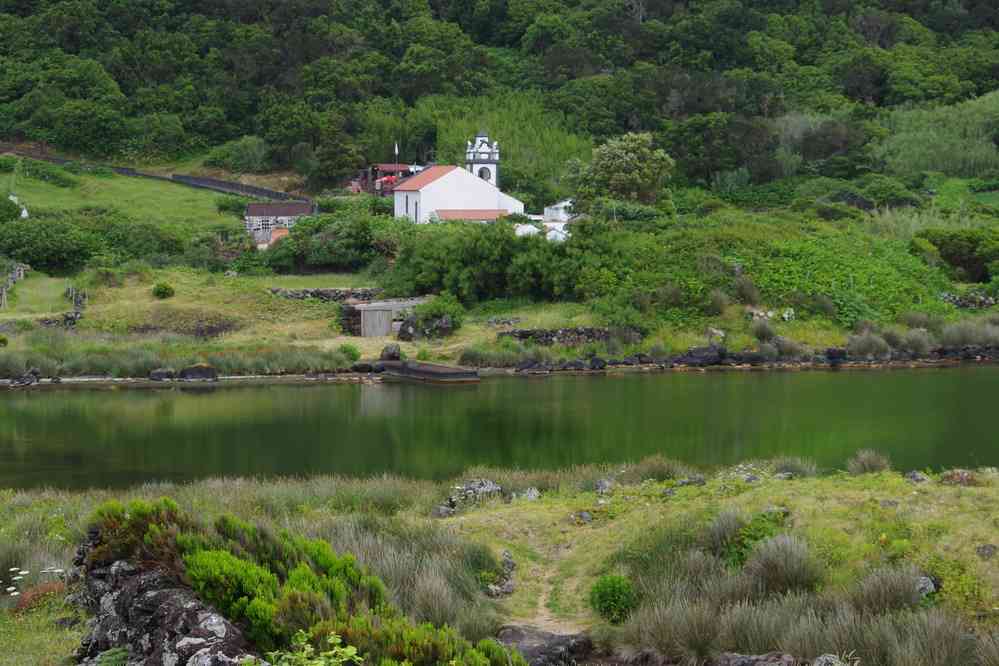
(460, 189)
(414, 203)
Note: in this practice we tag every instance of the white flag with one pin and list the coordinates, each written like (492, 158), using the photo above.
(397, 152)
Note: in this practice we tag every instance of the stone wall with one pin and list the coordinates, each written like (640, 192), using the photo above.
(14, 274)
(329, 295)
(569, 337)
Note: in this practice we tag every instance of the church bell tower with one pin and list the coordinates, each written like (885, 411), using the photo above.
(482, 158)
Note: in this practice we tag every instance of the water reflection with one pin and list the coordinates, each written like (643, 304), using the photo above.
(75, 439)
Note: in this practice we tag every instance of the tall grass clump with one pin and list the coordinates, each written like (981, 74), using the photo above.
(687, 632)
(723, 532)
(887, 588)
(783, 564)
(655, 468)
(869, 346)
(763, 330)
(968, 332)
(917, 341)
(747, 291)
(988, 649)
(867, 461)
(799, 468)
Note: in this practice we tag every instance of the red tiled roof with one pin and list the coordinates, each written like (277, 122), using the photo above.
(471, 214)
(424, 178)
(284, 209)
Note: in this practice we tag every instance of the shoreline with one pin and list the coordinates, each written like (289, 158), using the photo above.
(236, 381)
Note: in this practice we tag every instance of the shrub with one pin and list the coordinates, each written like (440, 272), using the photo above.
(718, 300)
(9, 210)
(683, 630)
(3, 340)
(868, 345)
(162, 291)
(747, 291)
(657, 468)
(893, 336)
(302, 653)
(798, 467)
(763, 330)
(613, 597)
(230, 204)
(788, 348)
(783, 564)
(886, 589)
(969, 332)
(769, 352)
(918, 341)
(723, 532)
(922, 320)
(934, 637)
(867, 461)
(350, 352)
(443, 305)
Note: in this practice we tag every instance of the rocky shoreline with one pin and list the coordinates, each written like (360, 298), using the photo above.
(369, 373)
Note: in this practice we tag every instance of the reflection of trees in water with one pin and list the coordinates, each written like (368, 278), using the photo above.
(102, 438)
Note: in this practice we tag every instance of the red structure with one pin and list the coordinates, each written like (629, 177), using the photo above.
(382, 178)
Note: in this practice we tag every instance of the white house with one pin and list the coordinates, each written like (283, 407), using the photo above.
(451, 193)
(559, 212)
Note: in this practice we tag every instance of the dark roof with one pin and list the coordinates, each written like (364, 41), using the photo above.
(284, 209)
(424, 178)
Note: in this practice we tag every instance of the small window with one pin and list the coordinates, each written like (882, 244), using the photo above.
(485, 173)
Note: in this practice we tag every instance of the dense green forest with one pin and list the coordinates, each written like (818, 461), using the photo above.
(758, 89)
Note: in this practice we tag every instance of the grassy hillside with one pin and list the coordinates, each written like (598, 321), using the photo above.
(143, 199)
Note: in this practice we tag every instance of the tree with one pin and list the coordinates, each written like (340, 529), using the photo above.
(9, 210)
(629, 167)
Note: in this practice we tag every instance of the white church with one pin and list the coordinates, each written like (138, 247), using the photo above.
(441, 193)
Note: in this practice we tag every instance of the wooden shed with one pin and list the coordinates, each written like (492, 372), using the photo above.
(375, 319)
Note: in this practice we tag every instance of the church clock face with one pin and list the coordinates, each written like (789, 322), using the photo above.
(485, 173)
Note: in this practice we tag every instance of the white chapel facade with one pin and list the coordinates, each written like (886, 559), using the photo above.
(446, 192)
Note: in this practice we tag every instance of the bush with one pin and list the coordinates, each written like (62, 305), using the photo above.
(443, 305)
(923, 320)
(724, 532)
(867, 461)
(9, 211)
(969, 332)
(657, 468)
(868, 346)
(613, 597)
(747, 291)
(788, 348)
(52, 246)
(800, 468)
(763, 330)
(783, 564)
(718, 300)
(350, 352)
(230, 204)
(3, 340)
(683, 631)
(162, 291)
(769, 352)
(886, 589)
(918, 341)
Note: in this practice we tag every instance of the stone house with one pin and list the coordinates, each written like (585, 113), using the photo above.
(267, 222)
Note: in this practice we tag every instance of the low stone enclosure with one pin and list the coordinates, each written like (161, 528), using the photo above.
(570, 337)
(329, 295)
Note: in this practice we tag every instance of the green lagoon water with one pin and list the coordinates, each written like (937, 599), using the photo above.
(76, 439)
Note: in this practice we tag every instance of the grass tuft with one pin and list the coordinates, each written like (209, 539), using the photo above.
(867, 461)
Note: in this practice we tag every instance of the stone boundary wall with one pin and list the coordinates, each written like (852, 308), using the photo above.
(16, 273)
(329, 295)
(569, 337)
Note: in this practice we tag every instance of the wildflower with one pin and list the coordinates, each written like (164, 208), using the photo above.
(15, 594)
(11, 589)
(17, 577)
(14, 569)
(25, 573)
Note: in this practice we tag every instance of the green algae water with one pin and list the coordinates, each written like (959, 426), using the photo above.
(78, 439)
